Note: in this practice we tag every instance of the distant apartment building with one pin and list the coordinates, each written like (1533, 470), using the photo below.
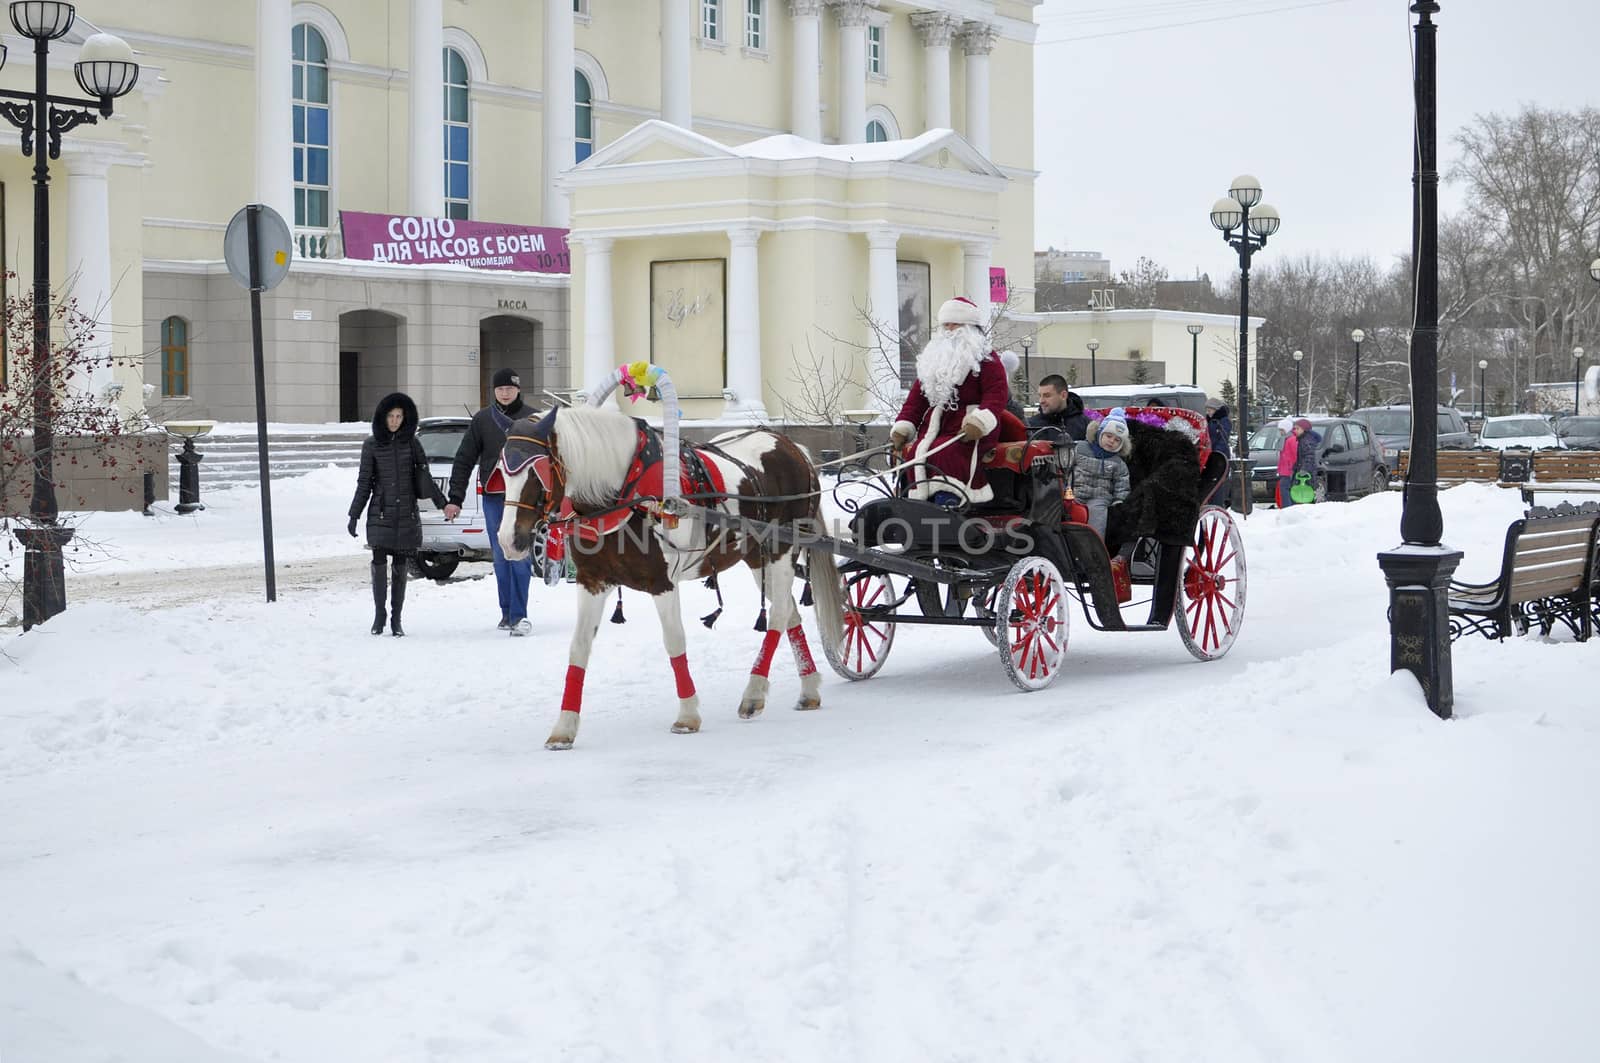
(1066, 267)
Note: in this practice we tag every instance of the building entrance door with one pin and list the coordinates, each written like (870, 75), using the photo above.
(349, 382)
(506, 342)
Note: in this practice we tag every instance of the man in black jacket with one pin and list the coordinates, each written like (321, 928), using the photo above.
(481, 446)
(1060, 411)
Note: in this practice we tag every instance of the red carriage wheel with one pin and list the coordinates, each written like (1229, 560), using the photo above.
(1211, 594)
(866, 642)
(1033, 623)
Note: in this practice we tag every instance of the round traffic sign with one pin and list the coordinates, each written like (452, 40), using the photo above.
(274, 247)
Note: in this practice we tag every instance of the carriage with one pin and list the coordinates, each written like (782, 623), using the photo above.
(1011, 567)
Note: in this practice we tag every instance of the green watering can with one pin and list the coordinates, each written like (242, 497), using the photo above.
(1302, 491)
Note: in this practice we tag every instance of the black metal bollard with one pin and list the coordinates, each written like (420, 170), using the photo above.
(149, 493)
(189, 477)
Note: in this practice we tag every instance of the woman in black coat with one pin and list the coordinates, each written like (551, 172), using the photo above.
(394, 469)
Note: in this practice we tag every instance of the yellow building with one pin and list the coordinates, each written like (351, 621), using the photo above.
(822, 171)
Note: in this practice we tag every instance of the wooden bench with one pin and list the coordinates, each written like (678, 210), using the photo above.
(1547, 576)
(1459, 467)
(1567, 471)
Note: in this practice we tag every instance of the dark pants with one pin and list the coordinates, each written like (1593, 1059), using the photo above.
(1284, 498)
(511, 577)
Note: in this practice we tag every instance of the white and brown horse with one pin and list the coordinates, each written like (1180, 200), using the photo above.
(582, 468)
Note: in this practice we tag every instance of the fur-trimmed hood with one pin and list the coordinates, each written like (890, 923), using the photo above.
(408, 426)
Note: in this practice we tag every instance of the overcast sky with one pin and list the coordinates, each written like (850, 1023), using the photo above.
(1137, 133)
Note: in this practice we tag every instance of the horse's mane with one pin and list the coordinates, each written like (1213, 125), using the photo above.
(596, 446)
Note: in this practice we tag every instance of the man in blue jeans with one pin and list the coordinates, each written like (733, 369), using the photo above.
(481, 446)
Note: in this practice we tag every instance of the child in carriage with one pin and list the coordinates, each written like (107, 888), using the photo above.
(1099, 473)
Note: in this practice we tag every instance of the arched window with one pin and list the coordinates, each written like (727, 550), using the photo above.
(174, 357)
(457, 129)
(310, 127)
(583, 120)
(876, 133)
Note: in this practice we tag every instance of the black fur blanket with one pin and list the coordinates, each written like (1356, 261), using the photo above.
(1164, 502)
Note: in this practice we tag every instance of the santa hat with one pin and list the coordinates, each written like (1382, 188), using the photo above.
(959, 311)
(1010, 360)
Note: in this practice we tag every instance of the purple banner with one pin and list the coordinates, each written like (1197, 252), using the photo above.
(411, 241)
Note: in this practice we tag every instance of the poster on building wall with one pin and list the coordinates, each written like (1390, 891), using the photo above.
(689, 324)
(997, 285)
(913, 280)
(412, 241)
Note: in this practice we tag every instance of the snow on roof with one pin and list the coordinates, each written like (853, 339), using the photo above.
(785, 146)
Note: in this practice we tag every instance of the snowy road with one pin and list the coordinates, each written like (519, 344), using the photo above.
(302, 843)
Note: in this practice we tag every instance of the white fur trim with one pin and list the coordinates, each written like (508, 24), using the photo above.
(1010, 361)
(959, 312)
(982, 418)
(905, 428)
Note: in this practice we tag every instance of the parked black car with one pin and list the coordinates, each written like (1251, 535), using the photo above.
(1582, 433)
(1349, 462)
(1391, 425)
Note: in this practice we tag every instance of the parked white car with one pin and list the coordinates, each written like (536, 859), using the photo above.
(1523, 431)
(445, 544)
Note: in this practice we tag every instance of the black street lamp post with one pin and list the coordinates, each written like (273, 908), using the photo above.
(1243, 210)
(105, 70)
(1418, 572)
(1483, 367)
(1093, 345)
(1297, 356)
(1357, 335)
(1027, 365)
(1194, 354)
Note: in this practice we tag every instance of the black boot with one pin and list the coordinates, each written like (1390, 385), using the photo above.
(397, 596)
(380, 591)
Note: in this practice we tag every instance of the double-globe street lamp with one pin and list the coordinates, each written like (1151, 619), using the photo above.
(1093, 345)
(1297, 356)
(1243, 210)
(105, 70)
(1194, 354)
(1357, 336)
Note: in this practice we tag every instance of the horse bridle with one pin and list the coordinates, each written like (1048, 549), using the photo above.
(549, 472)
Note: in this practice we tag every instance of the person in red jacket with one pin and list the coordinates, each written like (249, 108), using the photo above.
(953, 412)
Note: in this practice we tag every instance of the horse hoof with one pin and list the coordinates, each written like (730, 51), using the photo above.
(559, 743)
(806, 704)
(749, 710)
(686, 728)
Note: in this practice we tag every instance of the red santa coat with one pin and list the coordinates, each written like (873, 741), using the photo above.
(982, 396)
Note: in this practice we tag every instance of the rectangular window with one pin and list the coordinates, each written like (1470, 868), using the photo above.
(875, 50)
(711, 19)
(913, 280)
(175, 357)
(754, 32)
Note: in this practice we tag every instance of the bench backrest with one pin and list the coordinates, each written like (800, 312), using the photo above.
(1549, 556)
(1556, 465)
(1459, 466)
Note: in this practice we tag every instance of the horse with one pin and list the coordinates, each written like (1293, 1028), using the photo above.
(578, 468)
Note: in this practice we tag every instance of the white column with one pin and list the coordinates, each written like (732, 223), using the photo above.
(599, 338)
(426, 81)
(806, 91)
(677, 26)
(558, 109)
(275, 107)
(852, 16)
(935, 28)
(743, 393)
(88, 261)
(883, 298)
(975, 275)
(977, 41)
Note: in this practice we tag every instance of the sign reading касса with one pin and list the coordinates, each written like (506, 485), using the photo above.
(446, 241)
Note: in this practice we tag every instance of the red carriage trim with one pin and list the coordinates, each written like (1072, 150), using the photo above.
(1159, 416)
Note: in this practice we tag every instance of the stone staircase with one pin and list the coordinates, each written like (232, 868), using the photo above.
(231, 460)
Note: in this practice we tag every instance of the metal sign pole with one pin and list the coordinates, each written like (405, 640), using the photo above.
(253, 225)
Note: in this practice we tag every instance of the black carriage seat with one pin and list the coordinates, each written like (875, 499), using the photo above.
(915, 526)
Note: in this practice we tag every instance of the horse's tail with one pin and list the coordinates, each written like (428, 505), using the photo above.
(828, 595)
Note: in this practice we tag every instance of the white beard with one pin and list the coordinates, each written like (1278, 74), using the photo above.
(947, 360)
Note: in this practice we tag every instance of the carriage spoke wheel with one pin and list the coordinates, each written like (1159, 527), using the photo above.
(983, 606)
(1032, 607)
(1211, 594)
(866, 642)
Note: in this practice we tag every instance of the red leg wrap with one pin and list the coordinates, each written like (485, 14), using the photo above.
(680, 672)
(769, 646)
(572, 696)
(802, 652)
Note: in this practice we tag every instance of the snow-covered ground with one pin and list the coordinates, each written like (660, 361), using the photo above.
(258, 828)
